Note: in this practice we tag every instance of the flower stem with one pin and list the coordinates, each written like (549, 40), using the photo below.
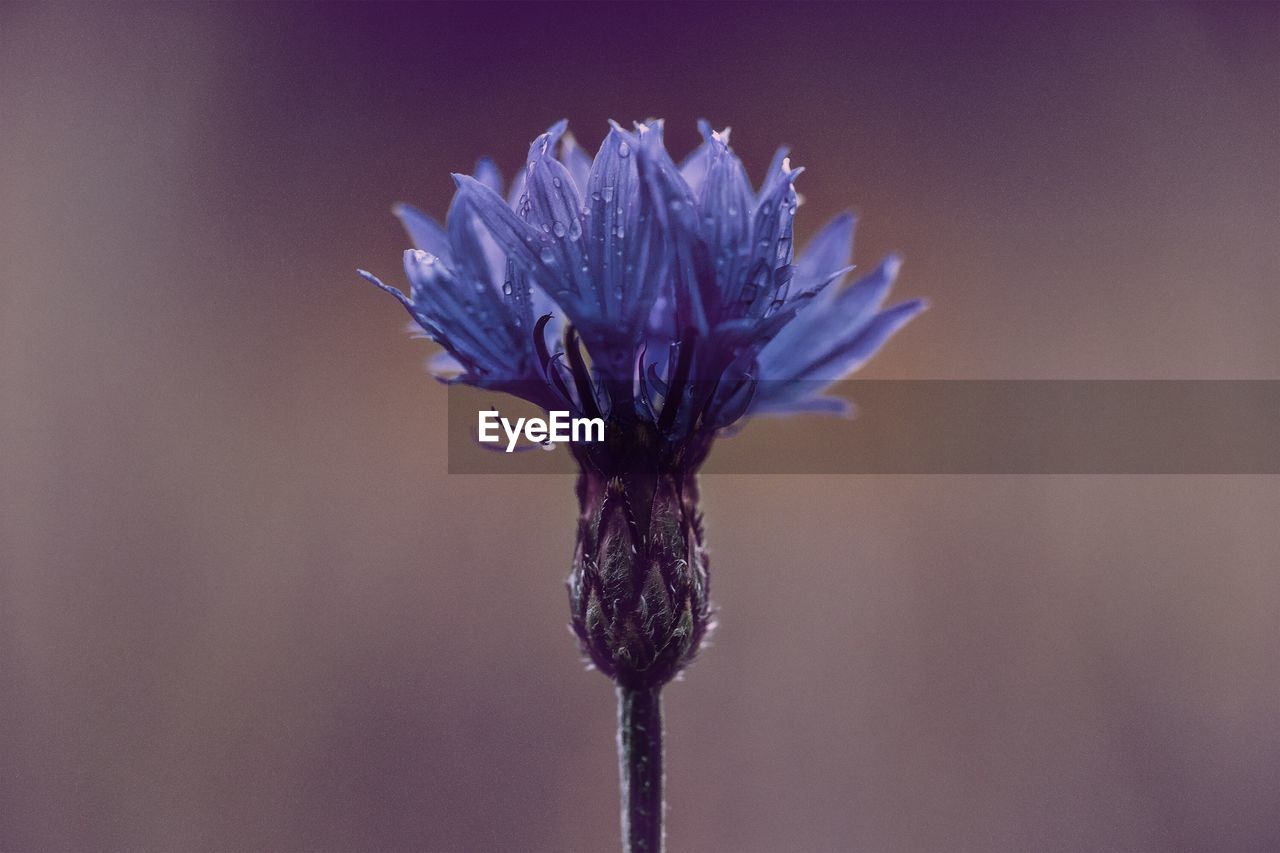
(640, 768)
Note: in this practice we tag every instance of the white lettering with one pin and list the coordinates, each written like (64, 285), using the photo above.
(489, 427)
(559, 428)
(513, 434)
(587, 425)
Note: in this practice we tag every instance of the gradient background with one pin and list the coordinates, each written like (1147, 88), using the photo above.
(242, 607)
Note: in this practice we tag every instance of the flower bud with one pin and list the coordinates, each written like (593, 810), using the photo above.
(638, 590)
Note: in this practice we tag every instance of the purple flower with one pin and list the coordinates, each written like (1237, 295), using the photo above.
(665, 301)
(664, 298)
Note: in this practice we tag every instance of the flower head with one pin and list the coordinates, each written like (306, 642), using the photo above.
(666, 298)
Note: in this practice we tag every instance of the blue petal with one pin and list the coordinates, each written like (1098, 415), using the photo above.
(773, 218)
(443, 365)
(670, 201)
(725, 201)
(777, 168)
(836, 357)
(577, 161)
(822, 325)
(486, 172)
(787, 385)
(438, 296)
(868, 293)
(694, 167)
(764, 280)
(850, 354)
(394, 291)
(831, 249)
(625, 245)
(520, 240)
(425, 233)
(556, 209)
(467, 239)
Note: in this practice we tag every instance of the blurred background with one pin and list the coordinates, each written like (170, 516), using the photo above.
(243, 607)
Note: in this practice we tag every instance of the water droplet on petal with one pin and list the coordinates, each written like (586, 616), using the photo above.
(608, 194)
(624, 150)
(555, 182)
(558, 228)
(548, 256)
(506, 288)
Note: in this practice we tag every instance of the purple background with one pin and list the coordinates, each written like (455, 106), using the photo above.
(242, 607)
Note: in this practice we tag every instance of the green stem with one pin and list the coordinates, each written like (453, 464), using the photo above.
(640, 768)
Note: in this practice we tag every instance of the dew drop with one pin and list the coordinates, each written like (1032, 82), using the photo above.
(546, 228)
(548, 256)
(624, 150)
(506, 287)
(558, 228)
(555, 182)
(608, 194)
(575, 228)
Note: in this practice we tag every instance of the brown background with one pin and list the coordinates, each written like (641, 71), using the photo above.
(242, 607)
